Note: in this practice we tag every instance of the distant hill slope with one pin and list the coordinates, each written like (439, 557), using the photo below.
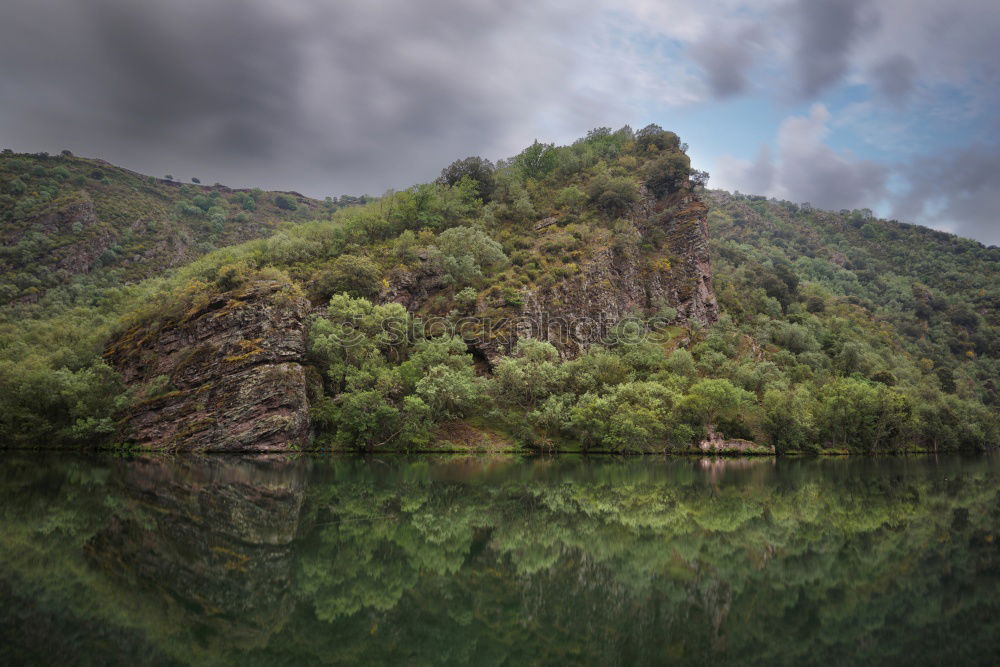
(62, 217)
(939, 292)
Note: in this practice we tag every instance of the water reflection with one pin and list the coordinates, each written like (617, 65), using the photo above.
(213, 534)
(264, 560)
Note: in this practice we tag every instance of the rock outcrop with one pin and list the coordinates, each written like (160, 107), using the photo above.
(229, 376)
(667, 264)
(226, 377)
(617, 283)
(716, 443)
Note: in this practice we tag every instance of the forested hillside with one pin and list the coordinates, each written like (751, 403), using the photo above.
(855, 305)
(69, 220)
(834, 332)
(940, 292)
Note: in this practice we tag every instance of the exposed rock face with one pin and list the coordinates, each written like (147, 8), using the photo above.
(687, 284)
(612, 283)
(228, 377)
(619, 282)
(716, 443)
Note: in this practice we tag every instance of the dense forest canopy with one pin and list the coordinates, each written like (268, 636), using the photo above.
(838, 331)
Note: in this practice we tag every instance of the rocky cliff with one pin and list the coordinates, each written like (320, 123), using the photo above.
(665, 264)
(565, 257)
(627, 281)
(228, 376)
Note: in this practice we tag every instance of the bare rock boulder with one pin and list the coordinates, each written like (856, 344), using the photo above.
(226, 377)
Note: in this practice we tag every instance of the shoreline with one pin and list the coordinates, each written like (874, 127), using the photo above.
(526, 452)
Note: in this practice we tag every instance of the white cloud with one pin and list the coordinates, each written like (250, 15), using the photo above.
(805, 169)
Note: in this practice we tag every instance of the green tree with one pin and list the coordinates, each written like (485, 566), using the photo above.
(633, 416)
(349, 274)
(667, 173)
(613, 195)
(788, 419)
(476, 169)
(716, 399)
(466, 252)
(862, 415)
(655, 137)
(536, 160)
(529, 375)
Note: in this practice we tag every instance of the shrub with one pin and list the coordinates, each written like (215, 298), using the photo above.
(246, 200)
(571, 197)
(16, 186)
(466, 298)
(465, 252)
(285, 203)
(203, 202)
(513, 297)
(349, 274)
(613, 196)
(188, 209)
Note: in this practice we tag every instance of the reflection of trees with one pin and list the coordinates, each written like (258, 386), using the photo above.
(798, 563)
(611, 562)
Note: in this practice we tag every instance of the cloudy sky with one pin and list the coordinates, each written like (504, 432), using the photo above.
(886, 104)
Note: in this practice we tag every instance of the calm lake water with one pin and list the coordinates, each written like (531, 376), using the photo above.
(490, 561)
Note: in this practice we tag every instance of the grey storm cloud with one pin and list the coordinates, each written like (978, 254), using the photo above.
(727, 59)
(331, 97)
(957, 189)
(323, 97)
(894, 78)
(825, 31)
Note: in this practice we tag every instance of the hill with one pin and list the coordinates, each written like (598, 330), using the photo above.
(938, 294)
(66, 220)
(591, 296)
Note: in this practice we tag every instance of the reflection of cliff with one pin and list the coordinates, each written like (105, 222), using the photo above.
(212, 535)
(716, 469)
